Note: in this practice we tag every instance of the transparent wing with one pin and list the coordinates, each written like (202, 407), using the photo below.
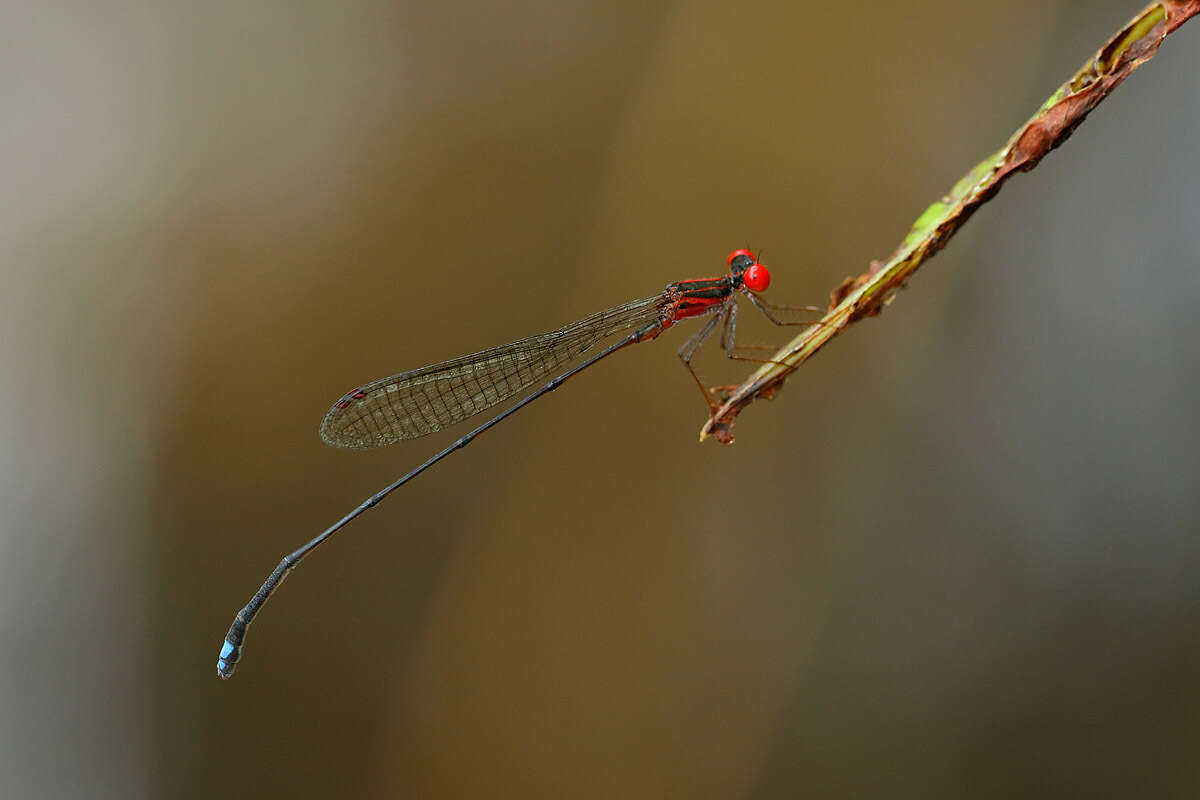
(425, 400)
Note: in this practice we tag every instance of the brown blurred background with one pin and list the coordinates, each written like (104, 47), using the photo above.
(958, 556)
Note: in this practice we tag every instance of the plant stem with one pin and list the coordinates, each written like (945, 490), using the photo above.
(866, 295)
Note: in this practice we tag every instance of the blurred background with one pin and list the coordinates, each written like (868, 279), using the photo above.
(956, 556)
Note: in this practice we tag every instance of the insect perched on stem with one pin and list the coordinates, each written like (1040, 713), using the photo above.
(422, 401)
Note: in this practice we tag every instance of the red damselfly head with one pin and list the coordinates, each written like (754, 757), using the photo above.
(754, 276)
(740, 259)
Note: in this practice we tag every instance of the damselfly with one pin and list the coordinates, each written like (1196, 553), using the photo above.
(420, 402)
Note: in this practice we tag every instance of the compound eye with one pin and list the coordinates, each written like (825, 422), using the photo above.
(735, 254)
(757, 278)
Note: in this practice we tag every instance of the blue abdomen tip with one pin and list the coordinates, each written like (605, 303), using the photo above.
(228, 659)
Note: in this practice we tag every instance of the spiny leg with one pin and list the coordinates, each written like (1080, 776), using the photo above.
(766, 307)
(729, 333)
(690, 347)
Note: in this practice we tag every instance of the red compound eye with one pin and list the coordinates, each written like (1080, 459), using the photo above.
(756, 277)
(735, 254)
